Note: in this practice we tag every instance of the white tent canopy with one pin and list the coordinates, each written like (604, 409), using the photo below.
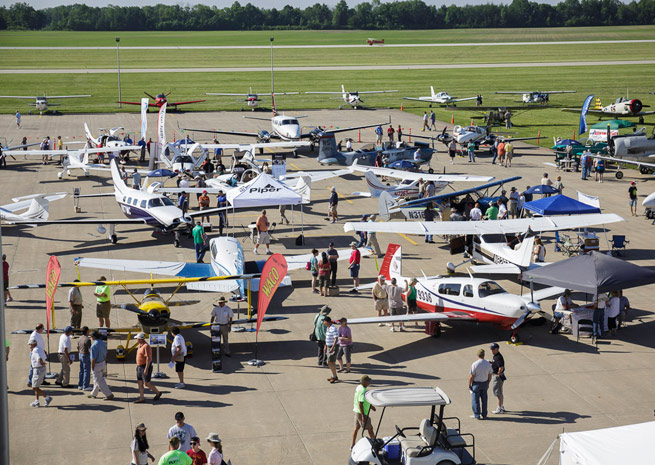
(262, 191)
(609, 446)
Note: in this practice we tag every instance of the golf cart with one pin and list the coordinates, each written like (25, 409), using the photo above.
(433, 444)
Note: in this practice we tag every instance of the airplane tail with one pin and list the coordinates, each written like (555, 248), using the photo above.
(375, 187)
(343, 90)
(392, 263)
(38, 209)
(89, 135)
(432, 92)
(119, 184)
(327, 148)
(522, 256)
(385, 203)
(304, 188)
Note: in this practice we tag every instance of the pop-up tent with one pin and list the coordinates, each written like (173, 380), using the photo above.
(559, 205)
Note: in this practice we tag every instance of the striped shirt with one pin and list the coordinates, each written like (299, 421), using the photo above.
(331, 335)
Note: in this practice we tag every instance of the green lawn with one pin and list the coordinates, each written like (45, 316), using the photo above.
(43, 59)
(76, 39)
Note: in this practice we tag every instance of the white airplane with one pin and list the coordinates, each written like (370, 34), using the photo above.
(35, 208)
(649, 205)
(491, 237)
(480, 135)
(536, 96)
(453, 299)
(41, 101)
(251, 98)
(226, 257)
(353, 98)
(408, 185)
(441, 98)
(622, 107)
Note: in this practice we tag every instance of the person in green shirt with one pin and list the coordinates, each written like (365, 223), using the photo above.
(174, 456)
(362, 408)
(103, 304)
(492, 212)
(199, 241)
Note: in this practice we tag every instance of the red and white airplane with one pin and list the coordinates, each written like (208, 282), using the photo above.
(161, 99)
(448, 299)
(252, 99)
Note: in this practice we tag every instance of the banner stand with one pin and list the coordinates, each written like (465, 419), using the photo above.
(158, 341)
(251, 329)
(255, 362)
(239, 329)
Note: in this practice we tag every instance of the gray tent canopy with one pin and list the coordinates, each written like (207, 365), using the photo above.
(593, 273)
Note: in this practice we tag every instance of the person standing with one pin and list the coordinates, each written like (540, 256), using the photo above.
(471, 151)
(197, 455)
(75, 302)
(583, 163)
(333, 204)
(142, 144)
(425, 121)
(514, 202)
(372, 241)
(18, 118)
(508, 119)
(216, 454)
(283, 217)
(139, 445)
(501, 148)
(136, 180)
(263, 236)
(203, 203)
(36, 335)
(148, 145)
(476, 213)
(399, 133)
(380, 297)
(599, 316)
(63, 379)
(600, 169)
(395, 303)
(333, 257)
(613, 310)
(183, 202)
(390, 133)
(624, 306)
(178, 355)
(98, 364)
(323, 273)
(362, 409)
(319, 332)
(5, 279)
(479, 378)
(174, 456)
(502, 210)
(182, 431)
(144, 368)
(223, 315)
(452, 151)
(313, 268)
(345, 345)
(411, 295)
(538, 251)
(498, 377)
(378, 134)
(222, 215)
(433, 120)
(353, 266)
(494, 151)
(84, 354)
(509, 154)
(38, 358)
(103, 305)
(199, 241)
(429, 214)
(331, 342)
(632, 196)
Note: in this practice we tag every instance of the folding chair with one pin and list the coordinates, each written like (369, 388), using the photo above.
(586, 326)
(618, 244)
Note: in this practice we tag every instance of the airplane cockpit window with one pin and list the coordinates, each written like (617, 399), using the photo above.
(449, 289)
(488, 288)
(152, 203)
(494, 238)
(183, 159)
(289, 121)
(468, 291)
(167, 202)
(143, 204)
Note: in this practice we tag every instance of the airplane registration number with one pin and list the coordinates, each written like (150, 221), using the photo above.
(415, 214)
(500, 260)
(424, 296)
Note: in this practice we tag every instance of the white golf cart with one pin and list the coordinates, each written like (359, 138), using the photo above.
(434, 444)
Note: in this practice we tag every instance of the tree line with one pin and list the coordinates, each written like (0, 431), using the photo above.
(407, 14)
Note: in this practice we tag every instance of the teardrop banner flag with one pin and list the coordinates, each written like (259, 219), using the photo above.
(274, 271)
(51, 280)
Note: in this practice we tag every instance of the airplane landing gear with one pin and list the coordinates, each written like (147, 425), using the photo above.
(112, 234)
(114, 238)
(619, 174)
(176, 241)
(514, 338)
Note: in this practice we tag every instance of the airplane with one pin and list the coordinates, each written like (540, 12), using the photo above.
(408, 185)
(456, 299)
(536, 96)
(35, 206)
(41, 101)
(371, 41)
(329, 155)
(631, 149)
(441, 98)
(251, 98)
(490, 243)
(623, 107)
(161, 99)
(649, 206)
(287, 128)
(481, 135)
(353, 98)
(496, 113)
(108, 138)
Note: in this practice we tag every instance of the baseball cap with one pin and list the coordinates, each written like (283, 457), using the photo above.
(68, 329)
(179, 416)
(494, 346)
(140, 336)
(633, 183)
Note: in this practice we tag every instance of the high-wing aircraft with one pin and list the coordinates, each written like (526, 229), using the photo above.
(161, 99)
(28, 208)
(456, 299)
(535, 96)
(41, 101)
(328, 154)
(353, 98)
(252, 99)
(623, 107)
(440, 98)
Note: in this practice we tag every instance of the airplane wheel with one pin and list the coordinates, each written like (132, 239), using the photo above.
(114, 238)
(619, 175)
(431, 171)
(121, 353)
(643, 170)
(514, 338)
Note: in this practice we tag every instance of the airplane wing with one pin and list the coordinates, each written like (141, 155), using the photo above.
(521, 225)
(66, 152)
(234, 322)
(399, 174)
(420, 99)
(21, 203)
(462, 99)
(501, 107)
(85, 221)
(437, 316)
(503, 268)
(352, 128)
(316, 176)
(180, 269)
(174, 104)
(138, 103)
(543, 294)
(541, 92)
(258, 145)
(377, 92)
(627, 161)
(232, 133)
(19, 96)
(67, 96)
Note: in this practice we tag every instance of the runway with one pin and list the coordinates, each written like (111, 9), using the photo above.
(267, 69)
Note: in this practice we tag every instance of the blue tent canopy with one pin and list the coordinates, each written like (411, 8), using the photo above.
(559, 205)
(541, 189)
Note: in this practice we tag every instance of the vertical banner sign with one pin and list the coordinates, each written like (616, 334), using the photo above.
(51, 281)
(583, 114)
(161, 130)
(144, 117)
(274, 271)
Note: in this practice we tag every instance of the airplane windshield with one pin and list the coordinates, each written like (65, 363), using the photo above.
(289, 121)
(488, 288)
(183, 159)
(159, 202)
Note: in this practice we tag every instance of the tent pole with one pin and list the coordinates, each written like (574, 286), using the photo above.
(302, 225)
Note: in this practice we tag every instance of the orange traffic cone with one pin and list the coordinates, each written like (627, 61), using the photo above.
(452, 118)
(402, 107)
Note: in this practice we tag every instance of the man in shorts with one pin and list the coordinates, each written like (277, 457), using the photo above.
(38, 358)
(144, 368)
(632, 195)
(178, 355)
(353, 266)
(381, 297)
(498, 377)
(331, 344)
(263, 236)
(103, 305)
(362, 408)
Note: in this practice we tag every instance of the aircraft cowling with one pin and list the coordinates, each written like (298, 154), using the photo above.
(635, 105)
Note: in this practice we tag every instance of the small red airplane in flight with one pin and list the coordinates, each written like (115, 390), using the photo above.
(161, 100)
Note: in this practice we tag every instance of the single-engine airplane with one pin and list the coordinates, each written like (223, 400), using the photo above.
(161, 99)
(622, 107)
(41, 101)
(535, 96)
(35, 208)
(252, 99)
(440, 98)
(353, 98)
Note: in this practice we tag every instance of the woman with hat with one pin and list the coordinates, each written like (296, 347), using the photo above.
(216, 454)
(139, 446)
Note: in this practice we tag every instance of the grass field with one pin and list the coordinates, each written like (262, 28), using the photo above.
(99, 39)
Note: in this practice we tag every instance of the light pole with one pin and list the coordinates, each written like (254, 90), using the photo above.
(118, 65)
(272, 79)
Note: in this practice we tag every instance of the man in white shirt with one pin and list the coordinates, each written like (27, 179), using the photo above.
(222, 315)
(475, 213)
(36, 335)
(65, 357)
(502, 210)
(599, 315)
(331, 346)
(349, 145)
(612, 311)
(178, 354)
(37, 359)
(479, 378)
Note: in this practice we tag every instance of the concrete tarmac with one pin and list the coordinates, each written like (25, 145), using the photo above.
(286, 412)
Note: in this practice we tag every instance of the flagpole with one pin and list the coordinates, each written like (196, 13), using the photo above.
(4, 401)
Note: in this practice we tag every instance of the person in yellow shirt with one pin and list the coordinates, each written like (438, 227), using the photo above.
(103, 305)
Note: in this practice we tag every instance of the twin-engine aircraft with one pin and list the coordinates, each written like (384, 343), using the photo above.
(353, 99)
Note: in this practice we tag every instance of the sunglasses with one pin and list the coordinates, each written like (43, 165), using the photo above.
(193, 443)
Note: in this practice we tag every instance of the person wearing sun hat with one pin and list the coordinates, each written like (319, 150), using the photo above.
(144, 368)
(139, 446)
(216, 455)
(223, 315)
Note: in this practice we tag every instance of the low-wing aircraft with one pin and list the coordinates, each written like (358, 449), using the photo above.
(535, 96)
(252, 99)
(455, 299)
(623, 107)
(371, 41)
(440, 98)
(29, 208)
(328, 154)
(353, 98)
(481, 135)
(41, 101)
(108, 138)
(161, 99)
(408, 185)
